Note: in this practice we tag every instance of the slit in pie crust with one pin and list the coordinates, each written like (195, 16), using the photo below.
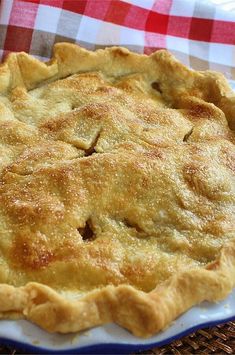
(117, 189)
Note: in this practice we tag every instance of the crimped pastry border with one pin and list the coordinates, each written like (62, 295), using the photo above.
(142, 313)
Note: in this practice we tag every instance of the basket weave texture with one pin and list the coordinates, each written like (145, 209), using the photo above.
(215, 340)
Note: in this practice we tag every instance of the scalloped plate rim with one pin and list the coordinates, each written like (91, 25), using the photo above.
(201, 316)
(104, 346)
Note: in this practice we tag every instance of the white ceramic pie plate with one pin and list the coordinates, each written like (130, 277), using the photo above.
(111, 338)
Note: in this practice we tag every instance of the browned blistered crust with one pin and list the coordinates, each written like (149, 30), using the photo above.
(117, 189)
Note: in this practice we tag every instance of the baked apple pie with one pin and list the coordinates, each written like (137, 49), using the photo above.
(117, 189)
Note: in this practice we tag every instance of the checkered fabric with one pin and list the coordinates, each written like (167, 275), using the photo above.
(200, 33)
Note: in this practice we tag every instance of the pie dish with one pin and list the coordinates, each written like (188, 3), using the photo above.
(117, 189)
(110, 338)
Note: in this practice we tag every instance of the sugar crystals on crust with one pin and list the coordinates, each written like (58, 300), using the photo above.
(117, 189)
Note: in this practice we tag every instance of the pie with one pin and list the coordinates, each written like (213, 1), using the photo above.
(117, 189)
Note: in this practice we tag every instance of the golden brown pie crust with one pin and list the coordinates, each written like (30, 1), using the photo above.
(117, 189)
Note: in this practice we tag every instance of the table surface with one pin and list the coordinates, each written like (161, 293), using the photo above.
(215, 340)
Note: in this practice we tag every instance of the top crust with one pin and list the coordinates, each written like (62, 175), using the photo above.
(117, 189)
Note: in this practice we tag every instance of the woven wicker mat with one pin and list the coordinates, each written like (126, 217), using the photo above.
(216, 340)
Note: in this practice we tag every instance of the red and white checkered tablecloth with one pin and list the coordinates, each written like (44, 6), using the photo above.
(201, 33)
